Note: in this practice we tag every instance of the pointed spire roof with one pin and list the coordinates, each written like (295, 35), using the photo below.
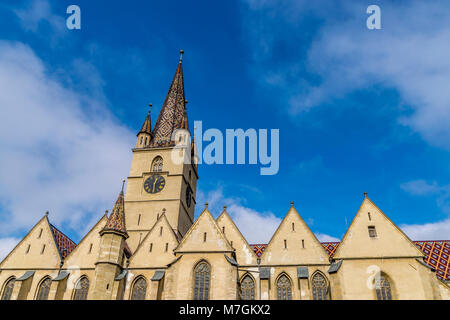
(147, 126)
(116, 221)
(172, 112)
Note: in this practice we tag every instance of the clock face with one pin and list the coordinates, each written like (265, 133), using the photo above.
(188, 196)
(154, 184)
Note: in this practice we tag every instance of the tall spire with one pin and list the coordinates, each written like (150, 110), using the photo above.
(116, 221)
(173, 110)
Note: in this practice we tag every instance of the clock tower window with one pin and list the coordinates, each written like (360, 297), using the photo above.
(157, 164)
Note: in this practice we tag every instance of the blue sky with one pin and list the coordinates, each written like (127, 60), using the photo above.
(358, 110)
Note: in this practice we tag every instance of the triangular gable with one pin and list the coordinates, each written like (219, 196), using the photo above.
(193, 240)
(152, 252)
(294, 243)
(244, 253)
(85, 255)
(390, 241)
(30, 251)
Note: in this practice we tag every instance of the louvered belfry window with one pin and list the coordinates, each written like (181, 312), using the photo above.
(383, 288)
(319, 287)
(284, 291)
(157, 164)
(202, 276)
(9, 287)
(81, 289)
(139, 289)
(247, 288)
(44, 289)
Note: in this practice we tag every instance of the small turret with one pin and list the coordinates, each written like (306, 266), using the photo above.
(113, 250)
(145, 135)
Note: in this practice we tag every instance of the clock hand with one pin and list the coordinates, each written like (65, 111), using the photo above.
(154, 183)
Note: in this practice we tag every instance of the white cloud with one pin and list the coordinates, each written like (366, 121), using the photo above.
(6, 245)
(54, 154)
(326, 238)
(408, 54)
(435, 230)
(429, 231)
(37, 12)
(424, 188)
(421, 187)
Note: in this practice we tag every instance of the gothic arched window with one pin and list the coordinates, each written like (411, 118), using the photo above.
(157, 164)
(8, 289)
(383, 288)
(284, 291)
(247, 288)
(44, 289)
(139, 289)
(81, 289)
(319, 286)
(202, 276)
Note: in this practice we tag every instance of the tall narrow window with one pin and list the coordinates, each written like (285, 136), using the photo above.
(319, 287)
(202, 275)
(160, 231)
(284, 291)
(43, 249)
(90, 248)
(139, 289)
(383, 288)
(8, 289)
(247, 288)
(204, 237)
(223, 230)
(167, 247)
(28, 249)
(157, 164)
(44, 289)
(293, 226)
(370, 217)
(372, 232)
(40, 233)
(139, 219)
(81, 289)
(151, 247)
(285, 244)
(303, 243)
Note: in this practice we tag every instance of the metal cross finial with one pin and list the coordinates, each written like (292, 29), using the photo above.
(181, 55)
(149, 108)
(365, 194)
(292, 203)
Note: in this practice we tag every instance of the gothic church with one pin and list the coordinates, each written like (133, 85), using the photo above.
(150, 247)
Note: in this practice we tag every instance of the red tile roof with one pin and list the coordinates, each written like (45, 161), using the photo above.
(437, 254)
(63, 242)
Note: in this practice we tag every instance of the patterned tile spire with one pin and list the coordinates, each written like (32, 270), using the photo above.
(172, 115)
(147, 126)
(116, 221)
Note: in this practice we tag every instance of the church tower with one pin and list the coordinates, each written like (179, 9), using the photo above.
(162, 176)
